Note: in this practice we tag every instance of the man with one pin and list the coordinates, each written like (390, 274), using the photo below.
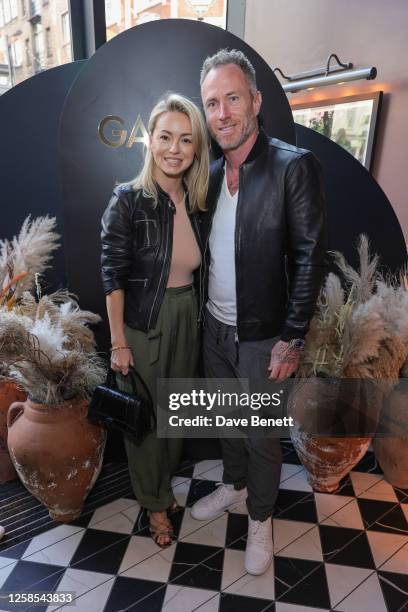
(265, 223)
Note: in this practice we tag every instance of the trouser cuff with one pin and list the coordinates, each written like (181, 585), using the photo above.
(238, 485)
(256, 515)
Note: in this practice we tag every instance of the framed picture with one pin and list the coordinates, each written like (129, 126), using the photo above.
(350, 121)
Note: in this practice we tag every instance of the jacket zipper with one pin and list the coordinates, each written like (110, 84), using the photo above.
(201, 317)
(240, 181)
(196, 231)
(166, 263)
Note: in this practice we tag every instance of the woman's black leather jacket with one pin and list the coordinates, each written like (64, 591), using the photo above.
(137, 241)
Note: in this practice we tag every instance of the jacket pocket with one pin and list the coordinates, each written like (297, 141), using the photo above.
(139, 281)
(145, 234)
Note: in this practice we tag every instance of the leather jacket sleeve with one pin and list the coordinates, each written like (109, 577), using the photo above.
(116, 237)
(307, 242)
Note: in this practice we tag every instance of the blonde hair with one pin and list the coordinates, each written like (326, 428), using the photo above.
(196, 177)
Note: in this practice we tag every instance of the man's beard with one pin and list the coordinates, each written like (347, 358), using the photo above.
(249, 129)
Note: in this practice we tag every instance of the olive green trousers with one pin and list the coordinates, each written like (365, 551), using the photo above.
(168, 351)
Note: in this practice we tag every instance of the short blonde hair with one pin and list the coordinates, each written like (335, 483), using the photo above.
(196, 177)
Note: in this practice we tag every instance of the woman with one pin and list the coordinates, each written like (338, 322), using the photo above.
(150, 250)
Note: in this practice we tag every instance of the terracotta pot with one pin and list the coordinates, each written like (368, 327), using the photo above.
(319, 406)
(390, 447)
(57, 453)
(9, 392)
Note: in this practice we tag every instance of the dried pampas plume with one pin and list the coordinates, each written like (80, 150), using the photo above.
(362, 333)
(48, 349)
(36, 356)
(322, 343)
(361, 283)
(62, 307)
(26, 255)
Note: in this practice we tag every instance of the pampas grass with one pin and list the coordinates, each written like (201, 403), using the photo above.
(62, 308)
(362, 331)
(75, 374)
(48, 349)
(45, 345)
(30, 252)
(39, 360)
(360, 283)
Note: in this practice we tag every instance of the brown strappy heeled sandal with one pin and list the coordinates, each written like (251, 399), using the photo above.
(160, 529)
(174, 507)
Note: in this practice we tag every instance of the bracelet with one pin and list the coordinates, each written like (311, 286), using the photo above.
(119, 348)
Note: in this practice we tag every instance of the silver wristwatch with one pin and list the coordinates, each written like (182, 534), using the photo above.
(296, 344)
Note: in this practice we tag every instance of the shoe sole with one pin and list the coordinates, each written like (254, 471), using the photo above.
(252, 573)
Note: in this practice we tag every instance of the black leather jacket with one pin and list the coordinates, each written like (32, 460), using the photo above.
(137, 242)
(280, 239)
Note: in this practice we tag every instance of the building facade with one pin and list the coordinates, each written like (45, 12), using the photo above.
(35, 35)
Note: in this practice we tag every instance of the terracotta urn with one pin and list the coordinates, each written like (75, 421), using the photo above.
(57, 453)
(390, 444)
(321, 405)
(9, 392)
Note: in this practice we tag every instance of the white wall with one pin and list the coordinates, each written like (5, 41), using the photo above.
(299, 35)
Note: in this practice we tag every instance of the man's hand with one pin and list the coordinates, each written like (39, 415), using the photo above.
(284, 361)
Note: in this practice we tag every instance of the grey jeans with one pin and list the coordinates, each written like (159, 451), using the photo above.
(254, 462)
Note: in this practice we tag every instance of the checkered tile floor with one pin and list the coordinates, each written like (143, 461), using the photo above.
(346, 552)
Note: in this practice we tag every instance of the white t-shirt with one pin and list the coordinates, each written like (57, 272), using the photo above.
(221, 281)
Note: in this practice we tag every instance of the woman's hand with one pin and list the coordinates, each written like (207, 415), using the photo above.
(121, 359)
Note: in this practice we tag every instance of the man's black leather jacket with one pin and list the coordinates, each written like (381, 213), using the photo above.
(137, 242)
(280, 239)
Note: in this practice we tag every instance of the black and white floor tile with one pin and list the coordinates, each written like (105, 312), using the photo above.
(344, 552)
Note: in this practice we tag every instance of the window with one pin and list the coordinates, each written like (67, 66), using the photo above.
(38, 38)
(142, 5)
(8, 10)
(48, 42)
(38, 47)
(66, 28)
(112, 12)
(13, 9)
(27, 48)
(16, 52)
(123, 15)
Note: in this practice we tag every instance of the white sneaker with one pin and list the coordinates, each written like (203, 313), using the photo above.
(259, 548)
(214, 504)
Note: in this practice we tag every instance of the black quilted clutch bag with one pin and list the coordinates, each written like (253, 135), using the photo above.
(129, 413)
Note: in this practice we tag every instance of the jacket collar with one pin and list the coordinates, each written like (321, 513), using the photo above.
(164, 197)
(217, 167)
(259, 146)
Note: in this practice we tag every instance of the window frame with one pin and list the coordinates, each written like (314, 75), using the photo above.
(88, 24)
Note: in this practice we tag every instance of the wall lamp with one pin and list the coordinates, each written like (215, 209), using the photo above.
(327, 75)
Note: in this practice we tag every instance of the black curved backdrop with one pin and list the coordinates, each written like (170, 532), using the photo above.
(29, 171)
(356, 204)
(124, 78)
